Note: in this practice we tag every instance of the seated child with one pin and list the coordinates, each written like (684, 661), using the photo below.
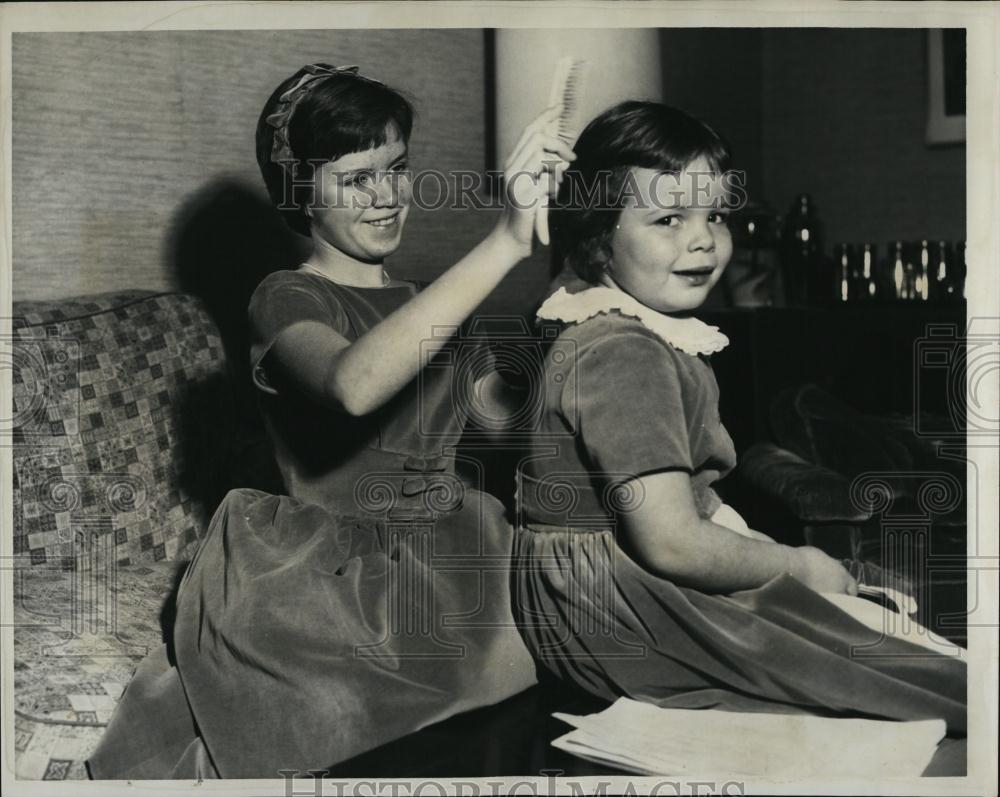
(630, 575)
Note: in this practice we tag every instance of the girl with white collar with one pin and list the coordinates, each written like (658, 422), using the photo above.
(631, 576)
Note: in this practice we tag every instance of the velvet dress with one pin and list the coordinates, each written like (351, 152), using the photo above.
(370, 601)
(623, 398)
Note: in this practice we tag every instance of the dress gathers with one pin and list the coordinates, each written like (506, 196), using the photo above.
(628, 392)
(369, 602)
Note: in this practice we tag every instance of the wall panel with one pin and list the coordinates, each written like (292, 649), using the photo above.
(132, 149)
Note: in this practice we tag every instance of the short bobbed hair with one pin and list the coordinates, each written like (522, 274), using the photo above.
(631, 134)
(339, 114)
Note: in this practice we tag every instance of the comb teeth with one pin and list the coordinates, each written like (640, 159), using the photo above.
(567, 88)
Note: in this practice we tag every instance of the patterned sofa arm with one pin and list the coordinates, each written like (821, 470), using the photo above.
(812, 493)
(122, 429)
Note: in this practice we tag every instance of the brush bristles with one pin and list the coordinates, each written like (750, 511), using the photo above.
(567, 88)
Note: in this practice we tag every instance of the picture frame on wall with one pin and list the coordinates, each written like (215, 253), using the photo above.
(946, 86)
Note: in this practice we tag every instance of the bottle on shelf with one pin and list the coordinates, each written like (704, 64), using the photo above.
(900, 276)
(752, 277)
(845, 261)
(868, 282)
(807, 275)
(922, 266)
(941, 276)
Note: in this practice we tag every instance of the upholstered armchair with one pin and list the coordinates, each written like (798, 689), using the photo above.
(866, 487)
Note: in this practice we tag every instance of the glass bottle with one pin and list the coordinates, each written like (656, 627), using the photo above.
(869, 264)
(942, 286)
(901, 272)
(756, 280)
(802, 263)
(844, 259)
(922, 266)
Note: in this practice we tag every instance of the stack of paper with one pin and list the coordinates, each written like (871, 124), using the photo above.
(639, 737)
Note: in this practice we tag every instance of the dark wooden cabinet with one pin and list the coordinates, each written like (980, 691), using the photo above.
(869, 356)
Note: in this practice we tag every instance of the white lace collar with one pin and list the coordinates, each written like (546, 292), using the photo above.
(687, 334)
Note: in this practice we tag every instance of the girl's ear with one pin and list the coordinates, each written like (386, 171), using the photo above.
(607, 256)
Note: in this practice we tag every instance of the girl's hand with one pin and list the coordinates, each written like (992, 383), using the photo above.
(821, 572)
(538, 151)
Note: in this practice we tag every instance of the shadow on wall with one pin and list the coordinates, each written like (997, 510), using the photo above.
(224, 240)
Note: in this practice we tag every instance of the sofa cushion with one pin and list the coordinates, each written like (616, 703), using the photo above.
(813, 493)
(78, 637)
(121, 427)
(824, 430)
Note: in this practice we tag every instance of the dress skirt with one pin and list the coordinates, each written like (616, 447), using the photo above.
(304, 638)
(592, 616)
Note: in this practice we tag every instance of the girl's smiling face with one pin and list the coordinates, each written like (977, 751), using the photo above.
(672, 242)
(362, 200)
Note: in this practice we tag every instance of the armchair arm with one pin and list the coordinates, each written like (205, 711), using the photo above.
(812, 493)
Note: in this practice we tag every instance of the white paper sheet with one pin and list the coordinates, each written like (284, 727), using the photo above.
(639, 737)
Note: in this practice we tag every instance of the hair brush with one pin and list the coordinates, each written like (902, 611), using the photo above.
(567, 86)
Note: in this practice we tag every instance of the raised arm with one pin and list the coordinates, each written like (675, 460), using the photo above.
(361, 376)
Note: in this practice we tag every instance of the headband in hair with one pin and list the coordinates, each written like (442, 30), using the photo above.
(281, 150)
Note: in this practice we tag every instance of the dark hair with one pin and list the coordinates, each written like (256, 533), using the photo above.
(340, 114)
(631, 134)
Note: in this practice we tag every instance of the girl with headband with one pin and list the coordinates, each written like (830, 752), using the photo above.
(373, 599)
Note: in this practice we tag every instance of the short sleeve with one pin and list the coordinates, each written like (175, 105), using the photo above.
(282, 299)
(629, 413)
